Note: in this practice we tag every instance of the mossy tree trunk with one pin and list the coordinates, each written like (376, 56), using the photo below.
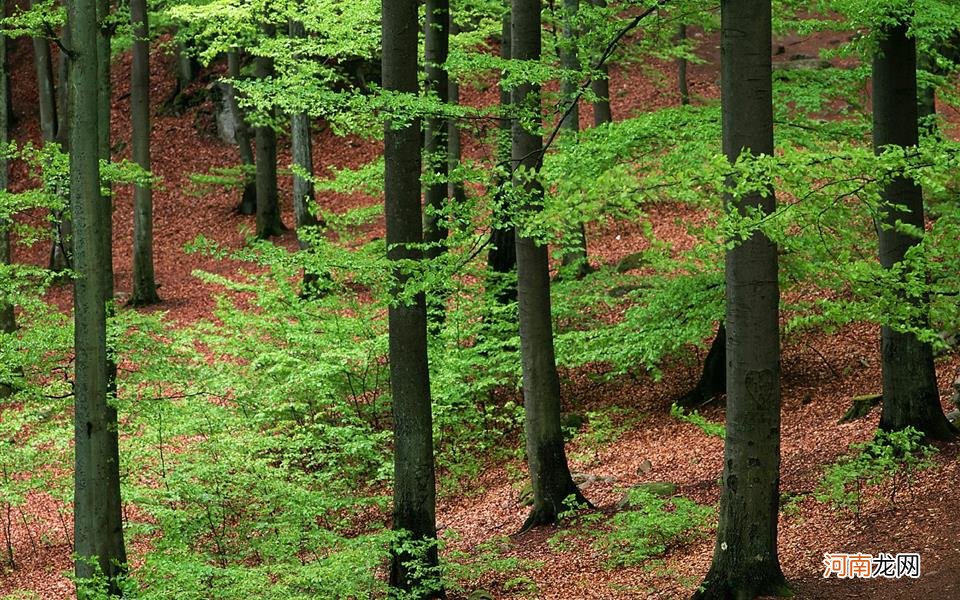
(144, 283)
(745, 562)
(549, 473)
(414, 489)
(268, 201)
(910, 393)
(98, 532)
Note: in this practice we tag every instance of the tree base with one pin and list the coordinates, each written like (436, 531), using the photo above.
(713, 379)
(548, 512)
(718, 587)
(248, 202)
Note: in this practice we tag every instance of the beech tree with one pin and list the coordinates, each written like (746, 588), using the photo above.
(910, 393)
(98, 531)
(248, 200)
(268, 202)
(144, 284)
(8, 322)
(550, 475)
(745, 562)
(600, 86)
(436, 49)
(414, 486)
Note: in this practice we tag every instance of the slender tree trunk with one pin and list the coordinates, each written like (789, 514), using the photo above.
(927, 97)
(47, 95)
(745, 562)
(455, 189)
(910, 393)
(502, 257)
(61, 248)
(414, 489)
(144, 284)
(546, 457)
(304, 212)
(186, 69)
(682, 69)
(8, 323)
(268, 202)
(248, 202)
(436, 48)
(575, 254)
(600, 86)
(98, 529)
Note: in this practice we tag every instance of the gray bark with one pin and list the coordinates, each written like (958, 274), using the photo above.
(268, 202)
(436, 47)
(8, 323)
(144, 283)
(248, 202)
(455, 189)
(910, 393)
(600, 86)
(574, 255)
(745, 562)
(549, 473)
(46, 92)
(98, 532)
(414, 489)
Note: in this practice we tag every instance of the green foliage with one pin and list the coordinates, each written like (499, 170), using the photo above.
(695, 418)
(892, 457)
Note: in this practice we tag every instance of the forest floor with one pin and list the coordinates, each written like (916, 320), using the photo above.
(820, 375)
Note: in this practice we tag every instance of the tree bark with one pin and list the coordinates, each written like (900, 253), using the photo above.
(455, 189)
(574, 255)
(682, 69)
(745, 562)
(713, 378)
(144, 283)
(502, 257)
(600, 86)
(46, 91)
(248, 201)
(268, 202)
(414, 490)
(61, 247)
(910, 393)
(98, 532)
(549, 473)
(436, 49)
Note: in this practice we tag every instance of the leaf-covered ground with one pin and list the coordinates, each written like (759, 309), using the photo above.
(820, 374)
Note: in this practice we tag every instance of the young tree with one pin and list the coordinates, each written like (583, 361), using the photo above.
(414, 489)
(98, 532)
(268, 203)
(144, 284)
(549, 473)
(910, 393)
(8, 323)
(46, 92)
(248, 201)
(600, 86)
(456, 189)
(745, 562)
(436, 49)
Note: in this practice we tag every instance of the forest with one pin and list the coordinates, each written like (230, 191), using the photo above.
(479, 299)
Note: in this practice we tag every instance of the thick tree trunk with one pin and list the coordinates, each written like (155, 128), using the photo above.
(575, 255)
(682, 69)
(502, 257)
(8, 323)
(98, 529)
(745, 562)
(268, 202)
(104, 95)
(414, 489)
(436, 47)
(910, 393)
(546, 457)
(47, 95)
(600, 86)
(144, 284)
(248, 201)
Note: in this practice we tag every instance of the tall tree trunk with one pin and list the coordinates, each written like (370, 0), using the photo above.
(575, 254)
(268, 202)
(8, 323)
(600, 86)
(682, 69)
(61, 248)
(47, 95)
(745, 562)
(304, 211)
(414, 489)
(927, 97)
(436, 48)
(248, 202)
(104, 96)
(455, 189)
(546, 457)
(98, 529)
(502, 257)
(144, 284)
(910, 393)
